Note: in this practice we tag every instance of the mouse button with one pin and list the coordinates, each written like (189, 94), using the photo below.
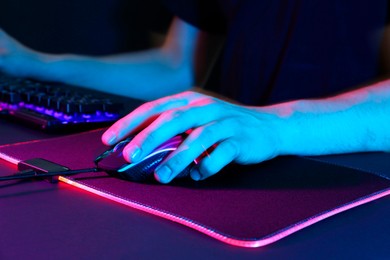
(112, 162)
(114, 149)
(143, 170)
(137, 174)
(119, 146)
(102, 155)
(174, 142)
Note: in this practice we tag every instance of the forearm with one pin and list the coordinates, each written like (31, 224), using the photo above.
(145, 75)
(351, 122)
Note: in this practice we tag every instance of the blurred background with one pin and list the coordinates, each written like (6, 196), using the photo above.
(91, 27)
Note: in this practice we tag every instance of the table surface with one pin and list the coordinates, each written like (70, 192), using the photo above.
(58, 221)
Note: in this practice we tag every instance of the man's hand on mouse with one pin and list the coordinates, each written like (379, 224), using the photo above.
(237, 133)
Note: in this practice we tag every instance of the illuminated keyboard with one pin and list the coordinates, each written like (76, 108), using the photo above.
(54, 106)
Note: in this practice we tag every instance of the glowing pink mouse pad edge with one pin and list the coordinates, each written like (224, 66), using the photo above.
(247, 206)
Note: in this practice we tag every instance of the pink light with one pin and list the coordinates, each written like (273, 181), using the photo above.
(228, 240)
(231, 241)
(9, 158)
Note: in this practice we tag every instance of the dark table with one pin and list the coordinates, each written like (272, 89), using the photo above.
(39, 220)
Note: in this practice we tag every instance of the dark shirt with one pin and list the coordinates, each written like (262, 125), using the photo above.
(279, 50)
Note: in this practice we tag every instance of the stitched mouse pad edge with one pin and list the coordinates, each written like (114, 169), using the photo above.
(240, 242)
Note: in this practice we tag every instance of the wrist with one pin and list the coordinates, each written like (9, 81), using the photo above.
(316, 127)
(47, 66)
(287, 123)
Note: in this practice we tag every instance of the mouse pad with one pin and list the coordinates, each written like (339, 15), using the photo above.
(248, 206)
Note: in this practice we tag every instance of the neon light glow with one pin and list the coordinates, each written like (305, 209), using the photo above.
(225, 239)
(9, 159)
(97, 116)
(212, 233)
(150, 155)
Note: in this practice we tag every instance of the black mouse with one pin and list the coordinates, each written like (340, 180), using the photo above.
(112, 161)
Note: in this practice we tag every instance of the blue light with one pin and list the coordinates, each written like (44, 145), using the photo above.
(98, 116)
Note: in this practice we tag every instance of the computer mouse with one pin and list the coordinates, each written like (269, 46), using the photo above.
(112, 161)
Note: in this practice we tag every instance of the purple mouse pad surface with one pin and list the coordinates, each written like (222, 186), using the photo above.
(247, 206)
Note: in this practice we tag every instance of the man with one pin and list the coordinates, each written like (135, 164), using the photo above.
(274, 52)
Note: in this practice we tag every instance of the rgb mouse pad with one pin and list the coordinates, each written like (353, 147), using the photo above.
(248, 206)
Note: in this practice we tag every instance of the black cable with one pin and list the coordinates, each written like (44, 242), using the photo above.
(27, 174)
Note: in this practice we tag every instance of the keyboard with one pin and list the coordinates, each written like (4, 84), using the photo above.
(55, 106)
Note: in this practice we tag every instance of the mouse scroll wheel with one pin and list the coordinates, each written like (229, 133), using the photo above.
(120, 145)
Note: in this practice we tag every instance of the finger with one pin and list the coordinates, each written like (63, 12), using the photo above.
(168, 125)
(143, 115)
(194, 146)
(223, 154)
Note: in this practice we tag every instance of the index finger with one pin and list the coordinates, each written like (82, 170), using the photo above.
(144, 114)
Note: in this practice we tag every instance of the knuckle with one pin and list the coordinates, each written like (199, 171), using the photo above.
(121, 124)
(148, 106)
(119, 128)
(232, 148)
(175, 114)
(209, 132)
(149, 138)
(176, 163)
(177, 160)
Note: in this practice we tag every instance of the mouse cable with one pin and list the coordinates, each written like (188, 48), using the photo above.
(28, 174)
(38, 167)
